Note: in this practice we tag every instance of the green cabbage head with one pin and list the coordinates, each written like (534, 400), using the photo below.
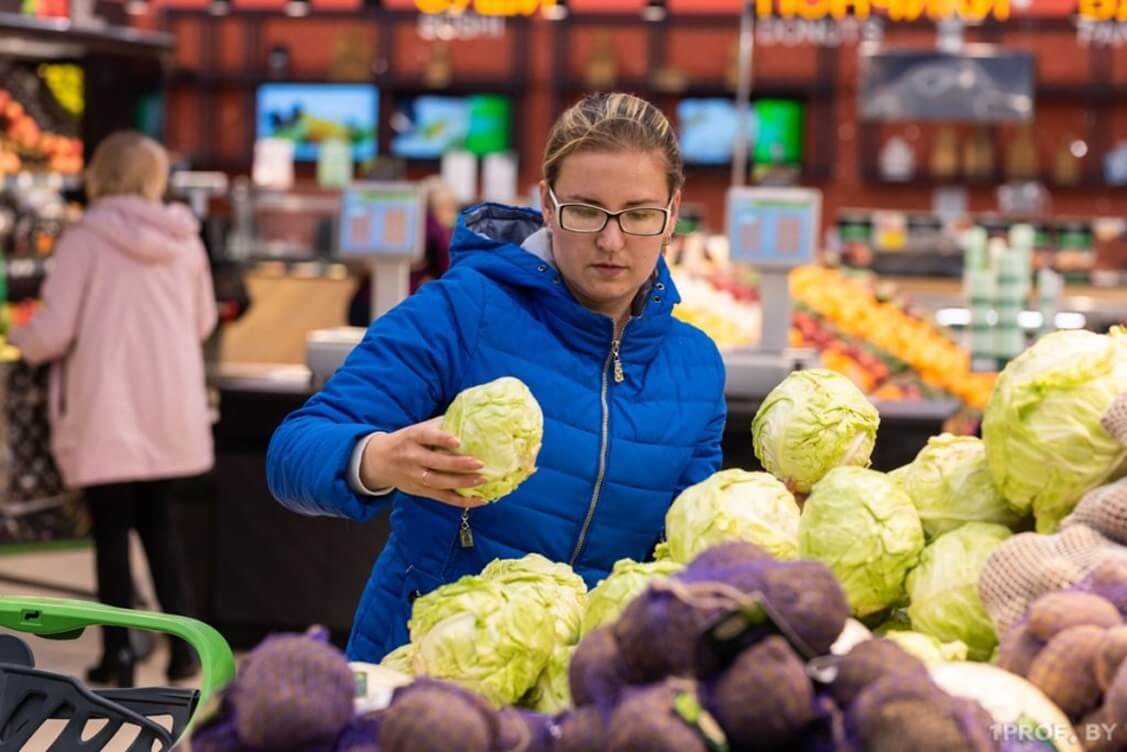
(496, 632)
(928, 649)
(402, 659)
(1044, 441)
(733, 505)
(609, 598)
(944, 588)
(552, 692)
(499, 423)
(864, 527)
(812, 422)
(555, 584)
(477, 633)
(949, 481)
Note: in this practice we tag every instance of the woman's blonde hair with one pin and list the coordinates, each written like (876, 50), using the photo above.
(613, 122)
(127, 163)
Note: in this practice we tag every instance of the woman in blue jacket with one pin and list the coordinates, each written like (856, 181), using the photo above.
(576, 302)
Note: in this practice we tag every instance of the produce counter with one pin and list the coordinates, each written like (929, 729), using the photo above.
(1102, 306)
(260, 568)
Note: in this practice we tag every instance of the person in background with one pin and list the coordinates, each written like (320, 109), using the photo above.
(576, 301)
(442, 214)
(125, 308)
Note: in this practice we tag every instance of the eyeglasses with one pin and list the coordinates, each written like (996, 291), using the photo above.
(642, 220)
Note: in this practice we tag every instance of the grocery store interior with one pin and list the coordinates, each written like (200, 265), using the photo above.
(909, 194)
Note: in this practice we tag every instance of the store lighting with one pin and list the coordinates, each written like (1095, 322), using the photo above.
(219, 7)
(555, 11)
(952, 317)
(136, 7)
(654, 11)
(958, 318)
(297, 8)
(1078, 148)
(1070, 320)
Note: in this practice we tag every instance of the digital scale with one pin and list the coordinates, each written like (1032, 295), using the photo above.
(774, 230)
(383, 224)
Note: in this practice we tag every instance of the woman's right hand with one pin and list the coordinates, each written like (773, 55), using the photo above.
(412, 459)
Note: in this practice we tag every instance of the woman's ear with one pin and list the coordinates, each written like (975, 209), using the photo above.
(674, 215)
(545, 200)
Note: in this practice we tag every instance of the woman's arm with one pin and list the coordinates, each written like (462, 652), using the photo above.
(407, 367)
(49, 334)
(207, 315)
(708, 455)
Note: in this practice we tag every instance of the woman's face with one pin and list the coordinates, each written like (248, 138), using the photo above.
(605, 269)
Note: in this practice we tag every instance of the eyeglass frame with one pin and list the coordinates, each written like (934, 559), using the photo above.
(608, 215)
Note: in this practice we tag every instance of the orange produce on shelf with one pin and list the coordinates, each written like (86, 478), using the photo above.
(9, 162)
(857, 312)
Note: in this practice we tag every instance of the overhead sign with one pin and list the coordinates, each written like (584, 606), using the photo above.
(485, 7)
(894, 10)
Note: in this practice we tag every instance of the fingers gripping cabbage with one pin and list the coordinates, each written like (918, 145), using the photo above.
(501, 424)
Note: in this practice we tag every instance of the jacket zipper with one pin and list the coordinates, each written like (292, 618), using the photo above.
(614, 358)
(465, 532)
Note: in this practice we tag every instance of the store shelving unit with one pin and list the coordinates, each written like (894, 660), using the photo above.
(209, 80)
(1094, 96)
(818, 91)
(120, 64)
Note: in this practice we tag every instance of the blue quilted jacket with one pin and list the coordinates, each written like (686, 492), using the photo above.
(614, 456)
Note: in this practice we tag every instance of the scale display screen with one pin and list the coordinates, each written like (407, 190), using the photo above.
(775, 228)
(381, 221)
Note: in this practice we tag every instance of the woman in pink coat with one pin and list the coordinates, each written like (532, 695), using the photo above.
(125, 308)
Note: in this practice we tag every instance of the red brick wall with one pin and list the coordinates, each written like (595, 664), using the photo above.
(703, 53)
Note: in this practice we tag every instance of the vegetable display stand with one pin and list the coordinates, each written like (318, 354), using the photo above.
(30, 697)
(35, 505)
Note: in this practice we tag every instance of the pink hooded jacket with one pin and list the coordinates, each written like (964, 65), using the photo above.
(125, 308)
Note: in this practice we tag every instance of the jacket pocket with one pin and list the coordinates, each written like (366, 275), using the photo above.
(416, 583)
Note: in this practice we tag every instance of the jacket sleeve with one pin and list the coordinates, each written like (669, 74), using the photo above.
(404, 371)
(206, 312)
(51, 331)
(708, 455)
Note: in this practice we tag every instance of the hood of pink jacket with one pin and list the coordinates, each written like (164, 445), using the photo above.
(147, 230)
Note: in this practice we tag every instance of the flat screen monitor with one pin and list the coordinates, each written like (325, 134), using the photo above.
(426, 127)
(774, 130)
(309, 114)
(981, 84)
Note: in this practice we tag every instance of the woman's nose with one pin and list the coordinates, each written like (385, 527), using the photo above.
(611, 238)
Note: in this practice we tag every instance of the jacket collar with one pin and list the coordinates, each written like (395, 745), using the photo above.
(510, 245)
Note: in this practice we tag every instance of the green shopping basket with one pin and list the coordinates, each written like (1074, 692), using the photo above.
(30, 697)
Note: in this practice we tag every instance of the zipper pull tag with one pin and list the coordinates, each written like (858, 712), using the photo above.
(465, 535)
(619, 376)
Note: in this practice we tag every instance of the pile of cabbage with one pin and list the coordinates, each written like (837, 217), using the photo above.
(508, 633)
(907, 546)
(715, 655)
